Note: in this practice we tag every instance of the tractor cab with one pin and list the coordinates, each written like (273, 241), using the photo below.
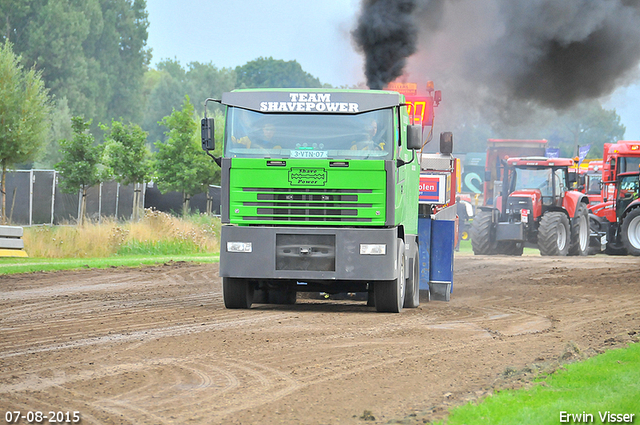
(627, 192)
(540, 182)
(539, 210)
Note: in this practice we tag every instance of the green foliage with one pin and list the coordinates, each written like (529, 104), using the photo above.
(167, 86)
(24, 109)
(31, 265)
(92, 52)
(81, 159)
(180, 164)
(60, 129)
(166, 247)
(608, 382)
(272, 73)
(125, 153)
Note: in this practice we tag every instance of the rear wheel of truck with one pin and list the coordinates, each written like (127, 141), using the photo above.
(483, 234)
(389, 294)
(237, 293)
(631, 232)
(554, 234)
(412, 292)
(580, 232)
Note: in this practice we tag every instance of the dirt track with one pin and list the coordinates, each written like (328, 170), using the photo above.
(157, 346)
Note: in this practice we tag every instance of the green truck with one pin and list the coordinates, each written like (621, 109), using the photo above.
(319, 194)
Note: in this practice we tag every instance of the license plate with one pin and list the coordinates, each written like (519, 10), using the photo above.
(308, 154)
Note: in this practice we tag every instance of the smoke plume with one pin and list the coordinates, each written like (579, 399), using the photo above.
(387, 34)
(549, 53)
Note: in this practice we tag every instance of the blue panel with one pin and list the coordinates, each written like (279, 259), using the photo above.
(442, 242)
(424, 237)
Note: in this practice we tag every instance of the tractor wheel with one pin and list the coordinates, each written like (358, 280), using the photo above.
(511, 248)
(412, 292)
(553, 234)
(237, 293)
(483, 234)
(389, 294)
(580, 232)
(631, 232)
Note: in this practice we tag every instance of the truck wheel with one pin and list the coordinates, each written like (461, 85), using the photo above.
(237, 293)
(483, 234)
(412, 293)
(553, 234)
(389, 294)
(285, 296)
(580, 232)
(631, 232)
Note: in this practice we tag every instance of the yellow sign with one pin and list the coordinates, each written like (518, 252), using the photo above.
(407, 89)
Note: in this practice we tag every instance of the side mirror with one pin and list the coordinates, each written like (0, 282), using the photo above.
(414, 137)
(208, 135)
(446, 142)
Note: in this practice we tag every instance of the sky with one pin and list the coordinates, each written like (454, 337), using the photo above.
(316, 34)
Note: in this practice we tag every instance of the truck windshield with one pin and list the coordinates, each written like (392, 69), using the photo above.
(251, 134)
(534, 178)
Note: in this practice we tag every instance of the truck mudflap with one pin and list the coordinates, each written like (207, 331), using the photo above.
(436, 245)
(315, 253)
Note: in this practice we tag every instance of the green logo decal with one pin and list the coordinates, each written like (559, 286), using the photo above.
(307, 176)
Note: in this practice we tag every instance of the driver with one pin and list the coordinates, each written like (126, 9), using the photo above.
(263, 140)
(370, 141)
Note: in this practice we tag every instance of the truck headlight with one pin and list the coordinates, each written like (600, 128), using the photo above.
(239, 247)
(373, 249)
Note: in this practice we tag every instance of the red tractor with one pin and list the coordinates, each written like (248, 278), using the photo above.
(617, 221)
(539, 211)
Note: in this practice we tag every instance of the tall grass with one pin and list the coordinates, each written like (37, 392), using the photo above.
(157, 233)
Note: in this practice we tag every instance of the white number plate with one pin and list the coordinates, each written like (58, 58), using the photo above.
(308, 154)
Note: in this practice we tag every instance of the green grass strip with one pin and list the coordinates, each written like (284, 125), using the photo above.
(29, 265)
(607, 384)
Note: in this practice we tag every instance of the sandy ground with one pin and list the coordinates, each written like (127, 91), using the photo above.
(156, 345)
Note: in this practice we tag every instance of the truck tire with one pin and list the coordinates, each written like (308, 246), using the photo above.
(237, 293)
(631, 232)
(554, 234)
(389, 294)
(483, 234)
(580, 232)
(412, 292)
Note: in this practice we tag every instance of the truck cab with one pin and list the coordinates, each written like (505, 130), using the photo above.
(319, 194)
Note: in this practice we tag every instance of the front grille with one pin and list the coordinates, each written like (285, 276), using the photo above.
(308, 205)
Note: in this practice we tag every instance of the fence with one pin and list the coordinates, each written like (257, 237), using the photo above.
(33, 197)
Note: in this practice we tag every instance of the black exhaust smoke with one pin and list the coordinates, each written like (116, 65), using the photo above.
(551, 53)
(387, 34)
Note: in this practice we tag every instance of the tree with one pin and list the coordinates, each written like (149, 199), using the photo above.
(81, 162)
(93, 52)
(272, 73)
(167, 85)
(60, 128)
(127, 157)
(180, 163)
(24, 110)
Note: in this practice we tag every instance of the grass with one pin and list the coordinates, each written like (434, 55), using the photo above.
(30, 265)
(609, 382)
(158, 237)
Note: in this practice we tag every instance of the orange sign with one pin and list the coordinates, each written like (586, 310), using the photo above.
(407, 89)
